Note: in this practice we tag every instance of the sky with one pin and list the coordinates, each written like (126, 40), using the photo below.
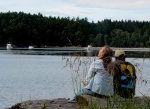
(93, 10)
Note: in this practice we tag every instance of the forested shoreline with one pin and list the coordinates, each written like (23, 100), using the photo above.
(22, 29)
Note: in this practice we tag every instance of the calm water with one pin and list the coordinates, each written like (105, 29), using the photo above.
(24, 75)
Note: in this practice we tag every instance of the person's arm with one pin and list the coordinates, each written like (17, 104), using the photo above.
(91, 72)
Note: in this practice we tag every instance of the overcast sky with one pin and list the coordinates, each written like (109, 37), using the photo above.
(94, 10)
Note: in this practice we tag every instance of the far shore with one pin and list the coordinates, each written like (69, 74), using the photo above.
(75, 48)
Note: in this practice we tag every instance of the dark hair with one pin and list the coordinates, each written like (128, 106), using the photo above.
(122, 57)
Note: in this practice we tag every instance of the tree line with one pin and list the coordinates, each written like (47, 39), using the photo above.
(22, 29)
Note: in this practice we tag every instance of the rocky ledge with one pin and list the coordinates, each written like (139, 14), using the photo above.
(85, 100)
(59, 103)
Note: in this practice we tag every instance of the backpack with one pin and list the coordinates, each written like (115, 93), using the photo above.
(126, 79)
(126, 76)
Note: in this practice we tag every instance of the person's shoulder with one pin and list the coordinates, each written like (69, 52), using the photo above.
(129, 63)
(97, 61)
(123, 62)
(118, 62)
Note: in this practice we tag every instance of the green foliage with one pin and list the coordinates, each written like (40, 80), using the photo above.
(23, 29)
(43, 106)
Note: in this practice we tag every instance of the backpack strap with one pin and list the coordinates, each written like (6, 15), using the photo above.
(124, 67)
(130, 68)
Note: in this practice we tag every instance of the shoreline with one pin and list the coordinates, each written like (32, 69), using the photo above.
(75, 48)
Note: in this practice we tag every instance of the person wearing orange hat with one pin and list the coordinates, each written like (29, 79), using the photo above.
(124, 75)
(99, 81)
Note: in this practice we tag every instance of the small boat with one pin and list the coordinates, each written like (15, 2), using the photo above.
(30, 47)
(9, 46)
(89, 48)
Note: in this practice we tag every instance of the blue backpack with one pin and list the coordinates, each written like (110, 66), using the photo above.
(126, 86)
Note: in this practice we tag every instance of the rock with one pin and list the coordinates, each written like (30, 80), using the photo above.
(82, 101)
(60, 103)
(116, 101)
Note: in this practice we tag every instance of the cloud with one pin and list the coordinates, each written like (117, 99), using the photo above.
(92, 9)
(115, 4)
(68, 10)
(54, 13)
(84, 9)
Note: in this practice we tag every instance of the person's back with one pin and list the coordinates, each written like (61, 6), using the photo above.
(99, 81)
(102, 81)
(124, 76)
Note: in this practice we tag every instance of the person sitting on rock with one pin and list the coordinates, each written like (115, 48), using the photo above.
(124, 75)
(99, 80)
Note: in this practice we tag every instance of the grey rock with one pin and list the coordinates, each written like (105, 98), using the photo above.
(85, 100)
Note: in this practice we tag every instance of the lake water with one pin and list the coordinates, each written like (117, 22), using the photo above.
(31, 75)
